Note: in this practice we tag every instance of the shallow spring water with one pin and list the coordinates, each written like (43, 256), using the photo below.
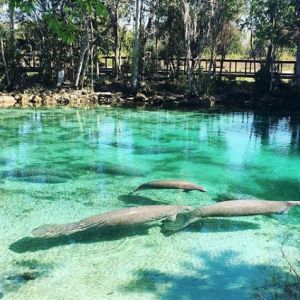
(62, 165)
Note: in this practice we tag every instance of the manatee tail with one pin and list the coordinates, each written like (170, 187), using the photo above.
(177, 222)
(49, 230)
(135, 190)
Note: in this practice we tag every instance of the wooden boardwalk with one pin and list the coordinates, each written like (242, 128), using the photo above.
(227, 67)
(230, 68)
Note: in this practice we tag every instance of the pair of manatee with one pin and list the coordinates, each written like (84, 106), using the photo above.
(174, 217)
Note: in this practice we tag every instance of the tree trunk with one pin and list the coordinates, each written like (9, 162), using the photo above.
(298, 60)
(187, 30)
(211, 69)
(84, 49)
(269, 64)
(298, 46)
(222, 63)
(136, 49)
(4, 62)
(92, 68)
(12, 43)
(115, 28)
(148, 28)
(85, 67)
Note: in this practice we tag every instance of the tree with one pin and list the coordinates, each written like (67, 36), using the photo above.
(136, 47)
(224, 13)
(7, 74)
(297, 2)
(270, 22)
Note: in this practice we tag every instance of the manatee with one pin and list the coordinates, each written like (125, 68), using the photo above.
(46, 179)
(28, 172)
(116, 218)
(244, 208)
(170, 184)
(233, 208)
(114, 170)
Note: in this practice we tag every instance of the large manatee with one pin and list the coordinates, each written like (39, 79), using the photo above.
(120, 217)
(244, 208)
(233, 208)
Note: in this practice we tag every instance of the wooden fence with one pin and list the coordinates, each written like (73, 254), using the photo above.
(227, 67)
(29, 62)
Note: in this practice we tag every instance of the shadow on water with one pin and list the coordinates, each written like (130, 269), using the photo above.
(223, 197)
(207, 226)
(23, 272)
(135, 199)
(32, 244)
(217, 277)
(221, 225)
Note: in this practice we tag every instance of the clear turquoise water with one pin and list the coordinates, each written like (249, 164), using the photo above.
(62, 165)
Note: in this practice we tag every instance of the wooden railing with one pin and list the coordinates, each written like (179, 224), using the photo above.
(227, 67)
(29, 62)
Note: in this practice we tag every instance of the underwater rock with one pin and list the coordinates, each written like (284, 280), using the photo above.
(7, 101)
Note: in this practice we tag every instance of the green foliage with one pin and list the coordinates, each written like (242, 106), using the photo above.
(66, 25)
(24, 5)
(170, 30)
(271, 21)
(65, 31)
(92, 6)
(56, 30)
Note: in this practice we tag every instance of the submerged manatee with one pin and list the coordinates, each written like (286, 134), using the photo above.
(170, 184)
(233, 208)
(29, 172)
(120, 217)
(114, 170)
(47, 179)
(244, 208)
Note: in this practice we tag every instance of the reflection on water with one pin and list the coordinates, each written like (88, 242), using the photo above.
(62, 165)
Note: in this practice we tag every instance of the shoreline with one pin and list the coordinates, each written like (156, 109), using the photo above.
(85, 98)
